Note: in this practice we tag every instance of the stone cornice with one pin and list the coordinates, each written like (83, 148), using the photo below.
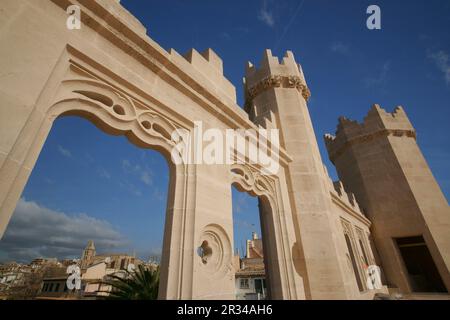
(278, 81)
(349, 210)
(336, 149)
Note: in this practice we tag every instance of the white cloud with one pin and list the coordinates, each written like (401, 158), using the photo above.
(49, 181)
(65, 152)
(144, 174)
(225, 35)
(265, 15)
(37, 231)
(103, 173)
(158, 195)
(442, 61)
(131, 188)
(340, 48)
(146, 177)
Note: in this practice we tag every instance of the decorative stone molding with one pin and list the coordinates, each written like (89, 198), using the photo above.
(251, 180)
(336, 148)
(376, 124)
(214, 251)
(347, 228)
(361, 236)
(116, 110)
(276, 81)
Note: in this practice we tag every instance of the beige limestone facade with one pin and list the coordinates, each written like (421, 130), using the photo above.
(319, 238)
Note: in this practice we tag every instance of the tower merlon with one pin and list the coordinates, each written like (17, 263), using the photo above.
(206, 59)
(377, 122)
(347, 198)
(273, 74)
(210, 66)
(213, 59)
(270, 65)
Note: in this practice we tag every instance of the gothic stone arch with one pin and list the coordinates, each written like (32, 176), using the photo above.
(275, 225)
(112, 74)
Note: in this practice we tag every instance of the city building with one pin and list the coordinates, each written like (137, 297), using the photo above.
(95, 270)
(250, 273)
(24, 281)
(98, 269)
(54, 285)
(47, 278)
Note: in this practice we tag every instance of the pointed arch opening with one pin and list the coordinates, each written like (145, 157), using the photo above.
(150, 137)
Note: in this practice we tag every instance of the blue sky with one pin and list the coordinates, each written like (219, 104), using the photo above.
(119, 191)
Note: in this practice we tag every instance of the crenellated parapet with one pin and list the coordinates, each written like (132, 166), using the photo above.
(377, 123)
(348, 198)
(274, 74)
(210, 65)
(340, 196)
(347, 202)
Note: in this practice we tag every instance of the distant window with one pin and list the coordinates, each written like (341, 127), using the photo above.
(44, 289)
(50, 288)
(244, 284)
(65, 287)
(113, 264)
(57, 287)
(259, 286)
(122, 264)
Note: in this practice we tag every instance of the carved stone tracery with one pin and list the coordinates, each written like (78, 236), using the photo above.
(251, 180)
(274, 81)
(110, 105)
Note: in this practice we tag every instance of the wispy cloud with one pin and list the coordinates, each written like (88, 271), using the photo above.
(442, 61)
(146, 177)
(126, 164)
(158, 195)
(225, 35)
(49, 181)
(265, 15)
(340, 47)
(37, 231)
(103, 173)
(131, 188)
(144, 174)
(289, 24)
(65, 152)
(379, 79)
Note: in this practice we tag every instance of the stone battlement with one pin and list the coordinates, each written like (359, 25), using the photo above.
(210, 65)
(378, 122)
(348, 198)
(270, 65)
(273, 74)
(337, 190)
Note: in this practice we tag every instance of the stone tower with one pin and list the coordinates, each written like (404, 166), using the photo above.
(380, 162)
(88, 254)
(276, 97)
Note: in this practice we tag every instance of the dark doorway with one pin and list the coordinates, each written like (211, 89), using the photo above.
(422, 272)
